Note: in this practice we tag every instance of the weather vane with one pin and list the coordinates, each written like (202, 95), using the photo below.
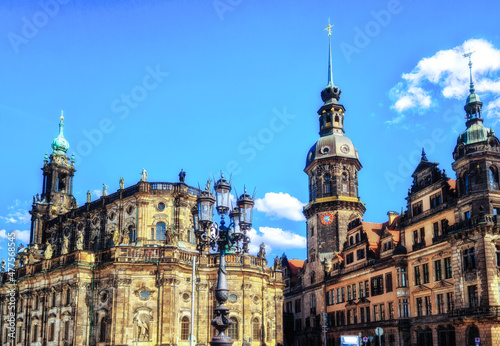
(468, 55)
(329, 28)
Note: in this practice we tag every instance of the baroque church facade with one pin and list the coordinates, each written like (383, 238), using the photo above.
(118, 270)
(429, 275)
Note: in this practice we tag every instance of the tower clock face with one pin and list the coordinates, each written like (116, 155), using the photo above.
(327, 218)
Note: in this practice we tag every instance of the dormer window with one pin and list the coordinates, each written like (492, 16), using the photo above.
(435, 200)
(417, 208)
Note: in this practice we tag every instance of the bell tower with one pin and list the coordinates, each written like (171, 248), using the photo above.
(57, 186)
(332, 166)
(477, 162)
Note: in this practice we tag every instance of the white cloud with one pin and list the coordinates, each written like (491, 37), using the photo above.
(275, 238)
(21, 236)
(97, 193)
(446, 74)
(17, 213)
(280, 205)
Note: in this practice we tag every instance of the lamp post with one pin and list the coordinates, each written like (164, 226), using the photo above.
(222, 238)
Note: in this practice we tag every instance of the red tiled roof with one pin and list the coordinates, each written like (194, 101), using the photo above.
(295, 265)
(453, 183)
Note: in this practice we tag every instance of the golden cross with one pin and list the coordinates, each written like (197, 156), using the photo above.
(329, 28)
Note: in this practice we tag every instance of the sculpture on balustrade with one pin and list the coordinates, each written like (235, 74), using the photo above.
(116, 237)
(48, 250)
(144, 175)
(104, 190)
(277, 263)
(125, 237)
(182, 176)
(262, 251)
(122, 183)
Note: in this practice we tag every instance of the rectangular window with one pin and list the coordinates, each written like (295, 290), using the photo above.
(360, 254)
(447, 268)
(339, 300)
(467, 215)
(422, 235)
(469, 259)
(472, 293)
(425, 270)
(349, 258)
(34, 337)
(68, 297)
(404, 309)
(437, 270)
(367, 310)
(362, 315)
(367, 289)
(419, 307)
(428, 305)
(444, 226)
(377, 285)
(436, 229)
(343, 294)
(440, 303)
(391, 310)
(376, 314)
(349, 297)
(361, 290)
(382, 312)
(450, 302)
(353, 291)
(388, 282)
(416, 271)
(415, 237)
(349, 316)
(19, 335)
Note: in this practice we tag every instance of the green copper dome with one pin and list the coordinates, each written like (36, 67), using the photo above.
(60, 144)
(475, 132)
(473, 97)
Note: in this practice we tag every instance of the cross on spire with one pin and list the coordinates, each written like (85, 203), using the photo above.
(329, 28)
(330, 73)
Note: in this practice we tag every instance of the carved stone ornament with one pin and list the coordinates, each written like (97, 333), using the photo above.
(470, 275)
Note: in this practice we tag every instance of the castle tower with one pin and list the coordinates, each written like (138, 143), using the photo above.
(57, 187)
(332, 165)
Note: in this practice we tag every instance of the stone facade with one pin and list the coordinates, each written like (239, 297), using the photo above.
(430, 276)
(118, 271)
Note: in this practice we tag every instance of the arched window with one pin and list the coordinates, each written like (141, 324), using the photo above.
(351, 240)
(132, 233)
(34, 337)
(255, 329)
(466, 182)
(337, 120)
(345, 182)
(326, 185)
(66, 330)
(161, 229)
(185, 328)
(328, 120)
(102, 330)
(52, 331)
(493, 177)
(232, 332)
(357, 237)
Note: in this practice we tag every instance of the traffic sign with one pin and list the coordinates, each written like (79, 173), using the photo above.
(365, 339)
(379, 331)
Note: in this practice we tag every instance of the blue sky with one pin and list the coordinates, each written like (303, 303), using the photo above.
(234, 85)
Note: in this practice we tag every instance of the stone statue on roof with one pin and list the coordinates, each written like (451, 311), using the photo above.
(207, 187)
(122, 183)
(262, 251)
(182, 176)
(144, 175)
(2, 266)
(104, 190)
(65, 245)
(89, 196)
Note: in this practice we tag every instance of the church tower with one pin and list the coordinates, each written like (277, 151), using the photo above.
(57, 187)
(332, 165)
(477, 162)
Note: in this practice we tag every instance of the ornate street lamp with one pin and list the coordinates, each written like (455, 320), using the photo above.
(222, 238)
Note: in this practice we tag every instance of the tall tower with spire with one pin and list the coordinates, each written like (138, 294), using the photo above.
(57, 186)
(332, 166)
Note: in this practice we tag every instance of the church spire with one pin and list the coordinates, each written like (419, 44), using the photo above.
(330, 94)
(60, 145)
(330, 72)
(473, 104)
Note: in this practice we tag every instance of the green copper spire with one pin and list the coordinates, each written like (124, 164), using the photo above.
(60, 145)
(473, 104)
